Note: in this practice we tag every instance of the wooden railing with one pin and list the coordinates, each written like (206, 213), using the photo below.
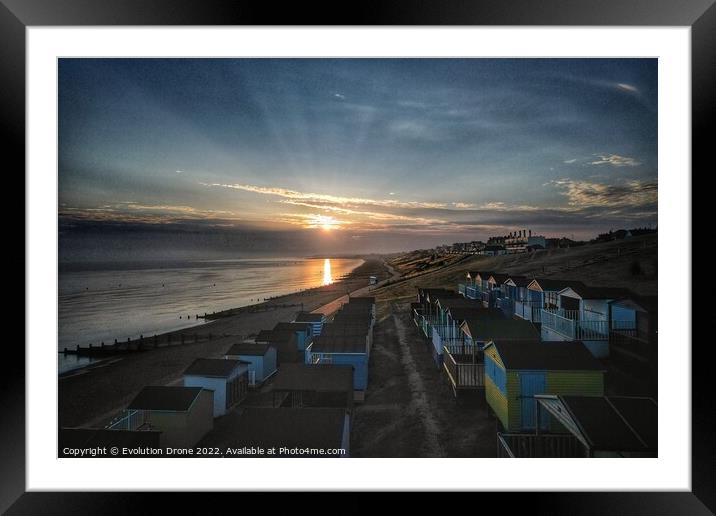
(463, 374)
(572, 325)
(538, 445)
(129, 420)
(529, 310)
(472, 292)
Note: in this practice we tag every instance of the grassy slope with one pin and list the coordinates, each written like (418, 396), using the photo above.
(606, 264)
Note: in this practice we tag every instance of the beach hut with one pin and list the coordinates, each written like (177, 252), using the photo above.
(429, 313)
(350, 328)
(261, 360)
(343, 349)
(228, 379)
(183, 414)
(515, 371)
(316, 321)
(315, 385)
(364, 303)
(476, 283)
(291, 432)
(515, 287)
(482, 327)
(589, 426)
(493, 291)
(444, 329)
(462, 360)
(303, 330)
(285, 342)
(542, 293)
(583, 313)
(633, 339)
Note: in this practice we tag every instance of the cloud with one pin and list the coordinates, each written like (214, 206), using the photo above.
(414, 130)
(464, 205)
(363, 215)
(627, 87)
(586, 194)
(615, 160)
(179, 171)
(339, 96)
(307, 196)
(570, 161)
(130, 211)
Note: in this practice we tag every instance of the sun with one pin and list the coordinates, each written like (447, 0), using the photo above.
(325, 222)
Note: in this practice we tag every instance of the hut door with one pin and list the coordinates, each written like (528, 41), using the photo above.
(530, 384)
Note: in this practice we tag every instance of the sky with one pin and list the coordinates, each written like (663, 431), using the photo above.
(311, 156)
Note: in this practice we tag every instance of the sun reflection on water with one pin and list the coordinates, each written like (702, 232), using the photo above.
(327, 277)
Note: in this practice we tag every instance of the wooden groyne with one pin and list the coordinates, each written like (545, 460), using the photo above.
(141, 344)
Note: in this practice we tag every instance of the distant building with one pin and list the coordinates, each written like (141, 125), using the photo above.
(535, 241)
(494, 250)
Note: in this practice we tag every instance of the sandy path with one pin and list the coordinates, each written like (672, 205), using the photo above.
(419, 397)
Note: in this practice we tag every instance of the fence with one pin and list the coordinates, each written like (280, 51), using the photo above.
(463, 373)
(571, 324)
(142, 344)
(538, 445)
(128, 420)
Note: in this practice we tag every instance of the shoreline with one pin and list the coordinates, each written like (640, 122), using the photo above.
(207, 319)
(91, 395)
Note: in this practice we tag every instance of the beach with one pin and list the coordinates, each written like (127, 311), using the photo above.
(92, 395)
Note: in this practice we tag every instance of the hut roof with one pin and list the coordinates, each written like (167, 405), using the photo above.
(500, 328)
(586, 292)
(339, 344)
(309, 317)
(165, 397)
(213, 367)
(550, 284)
(318, 377)
(249, 349)
(293, 326)
(499, 278)
(520, 281)
(550, 356)
(618, 423)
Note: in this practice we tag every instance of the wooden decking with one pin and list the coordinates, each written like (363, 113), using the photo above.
(464, 371)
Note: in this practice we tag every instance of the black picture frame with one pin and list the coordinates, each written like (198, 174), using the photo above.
(17, 15)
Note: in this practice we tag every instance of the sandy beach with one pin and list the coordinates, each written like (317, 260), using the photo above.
(93, 395)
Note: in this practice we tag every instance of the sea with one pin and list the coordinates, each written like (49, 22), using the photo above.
(100, 302)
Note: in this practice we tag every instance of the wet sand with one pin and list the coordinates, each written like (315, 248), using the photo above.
(93, 395)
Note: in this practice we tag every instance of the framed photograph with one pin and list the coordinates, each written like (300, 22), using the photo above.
(424, 241)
